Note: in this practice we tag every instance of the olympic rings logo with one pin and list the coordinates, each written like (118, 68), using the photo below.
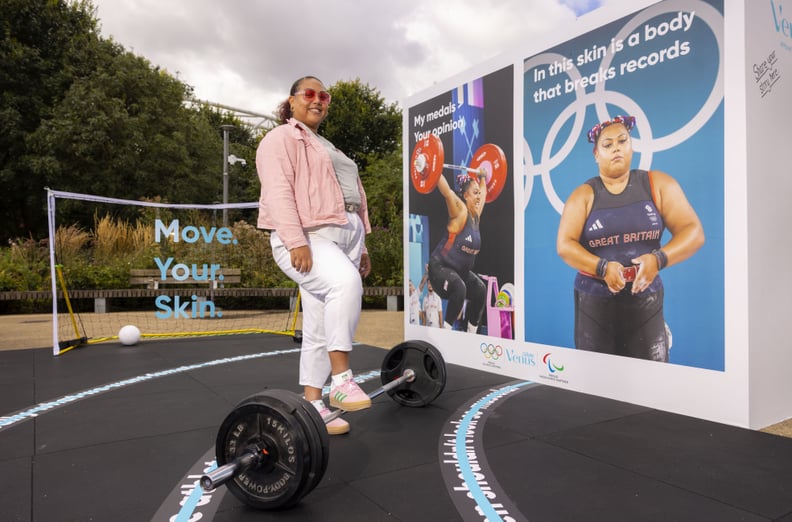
(491, 351)
(552, 155)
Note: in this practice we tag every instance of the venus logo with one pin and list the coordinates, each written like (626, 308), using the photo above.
(782, 25)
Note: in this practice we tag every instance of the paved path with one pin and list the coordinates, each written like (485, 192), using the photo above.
(376, 328)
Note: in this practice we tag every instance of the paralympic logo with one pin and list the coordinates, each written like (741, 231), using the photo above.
(491, 351)
(552, 368)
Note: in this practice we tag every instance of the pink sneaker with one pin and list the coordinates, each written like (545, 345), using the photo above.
(337, 426)
(349, 397)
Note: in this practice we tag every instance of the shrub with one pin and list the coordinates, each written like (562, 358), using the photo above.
(102, 257)
(24, 265)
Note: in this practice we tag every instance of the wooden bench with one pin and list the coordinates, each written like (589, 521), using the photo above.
(394, 296)
(46, 295)
(152, 278)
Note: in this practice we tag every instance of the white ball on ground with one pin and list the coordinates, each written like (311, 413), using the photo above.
(129, 335)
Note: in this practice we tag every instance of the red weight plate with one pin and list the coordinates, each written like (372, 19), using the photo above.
(491, 158)
(426, 165)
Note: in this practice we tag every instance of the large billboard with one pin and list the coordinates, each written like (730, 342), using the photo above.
(638, 195)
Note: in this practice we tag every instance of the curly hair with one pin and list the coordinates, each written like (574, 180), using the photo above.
(462, 184)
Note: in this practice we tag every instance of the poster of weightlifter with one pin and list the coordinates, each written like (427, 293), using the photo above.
(623, 204)
(461, 204)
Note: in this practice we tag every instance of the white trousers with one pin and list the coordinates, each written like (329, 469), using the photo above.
(331, 294)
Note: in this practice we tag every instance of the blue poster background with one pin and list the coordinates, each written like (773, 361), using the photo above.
(663, 65)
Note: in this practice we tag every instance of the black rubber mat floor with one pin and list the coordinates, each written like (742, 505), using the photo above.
(112, 433)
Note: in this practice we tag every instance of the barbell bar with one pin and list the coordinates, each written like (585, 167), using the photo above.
(226, 472)
(421, 161)
(427, 166)
(470, 170)
(407, 376)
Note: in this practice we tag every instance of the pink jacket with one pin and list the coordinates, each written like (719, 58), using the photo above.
(299, 188)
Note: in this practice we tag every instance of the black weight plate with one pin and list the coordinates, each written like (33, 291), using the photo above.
(429, 367)
(322, 444)
(316, 432)
(265, 423)
(320, 430)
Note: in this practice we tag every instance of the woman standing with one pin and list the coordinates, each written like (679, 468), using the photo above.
(610, 231)
(313, 202)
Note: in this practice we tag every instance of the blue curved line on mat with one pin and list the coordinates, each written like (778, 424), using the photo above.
(45, 407)
(487, 510)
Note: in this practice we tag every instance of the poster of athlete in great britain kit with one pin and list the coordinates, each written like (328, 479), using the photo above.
(663, 66)
(461, 205)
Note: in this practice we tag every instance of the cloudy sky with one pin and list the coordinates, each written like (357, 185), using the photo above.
(246, 53)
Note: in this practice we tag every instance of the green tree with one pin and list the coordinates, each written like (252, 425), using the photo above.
(361, 123)
(45, 46)
(122, 131)
(383, 183)
(85, 115)
(369, 130)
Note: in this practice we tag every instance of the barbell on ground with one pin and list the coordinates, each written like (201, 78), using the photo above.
(273, 448)
(427, 164)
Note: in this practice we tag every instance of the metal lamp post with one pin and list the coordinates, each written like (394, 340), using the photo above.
(226, 130)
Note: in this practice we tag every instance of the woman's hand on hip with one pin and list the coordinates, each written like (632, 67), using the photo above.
(301, 259)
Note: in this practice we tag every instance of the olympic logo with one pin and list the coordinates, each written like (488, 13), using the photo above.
(552, 156)
(491, 351)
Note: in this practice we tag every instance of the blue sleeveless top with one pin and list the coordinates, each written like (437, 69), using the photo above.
(621, 227)
(458, 251)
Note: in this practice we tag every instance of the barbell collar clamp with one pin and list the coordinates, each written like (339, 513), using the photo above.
(420, 162)
(223, 474)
